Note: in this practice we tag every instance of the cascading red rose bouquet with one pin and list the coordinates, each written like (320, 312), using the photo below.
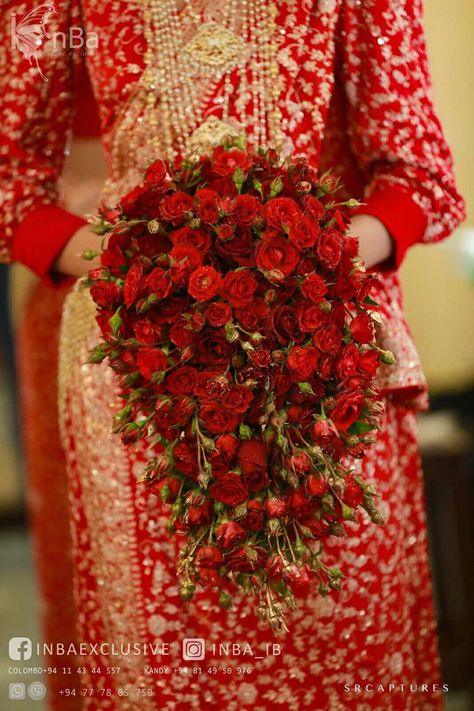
(236, 313)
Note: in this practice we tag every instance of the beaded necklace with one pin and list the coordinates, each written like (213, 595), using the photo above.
(210, 70)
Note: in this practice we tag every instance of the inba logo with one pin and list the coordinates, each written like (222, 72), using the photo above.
(20, 649)
(29, 33)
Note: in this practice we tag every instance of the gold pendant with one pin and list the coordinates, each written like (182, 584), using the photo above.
(215, 47)
(210, 134)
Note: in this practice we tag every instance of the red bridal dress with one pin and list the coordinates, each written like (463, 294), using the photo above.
(351, 90)
(37, 340)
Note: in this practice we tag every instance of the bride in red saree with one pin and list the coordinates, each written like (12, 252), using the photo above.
(346, 83)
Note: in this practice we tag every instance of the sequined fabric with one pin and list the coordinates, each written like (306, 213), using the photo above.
(379, 632)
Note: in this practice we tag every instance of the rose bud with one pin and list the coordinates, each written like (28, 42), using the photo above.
(353, 494)
(230, 533)
(278, 356)
(299, 462)
(315, 485)
(270, 296)
(186, 591)
(274, 567)
(275, 507)
(323, 430)
(297, 577)
(209, 577)
(225, 600)
(227, 445)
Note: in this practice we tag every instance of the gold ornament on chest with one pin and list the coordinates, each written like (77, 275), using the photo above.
(215, 47)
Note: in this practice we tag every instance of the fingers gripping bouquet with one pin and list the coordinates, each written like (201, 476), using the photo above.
(237, 315)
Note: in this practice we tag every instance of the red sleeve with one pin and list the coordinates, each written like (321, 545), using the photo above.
(37, 110)
(394, 131)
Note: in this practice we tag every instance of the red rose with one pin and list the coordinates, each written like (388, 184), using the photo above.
(158, 282)
(105, 293)
(302, 361)
(353, 495)
(208, 205)
(216, 419)
(147, 332)
(225, 163)
(326, 367)
(300, 462)
(185, 259)
(239, 287)
(260, 358)
(329, 248)
(314, 288)
(181, 336)
(227, 446)
(275, 507)
(133, 284)
(324, 432)
(183, 408)
(328, 340)
(131, 204)
(238, 247)
(281, 212)
(277, 254)
(298, 577)
(151, 360)
(285, 325)
(250, 316)
(204, 283)
(230, 489)
(230, 533)
(208, 557)
(212, 384)
(252, 451)
(246, 559)
(310, 317)
(199, 512)
(157, 174)
(348, 361)
(298, 503)
(218, 313)
(214, 348)
(173, 208)
(182, 380)
(245, 209)
(274, 567)
(252, 457)
(362, 329)
(185, 458)
(348, 409)
(369, 362)
(237, 398)
(316, 485)
(314, 207)
(255, 517)
(196, 238)
(304, 232)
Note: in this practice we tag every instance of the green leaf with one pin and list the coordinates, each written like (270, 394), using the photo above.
(370, 301)
(306, 388)
(360, 428)
(115, 322)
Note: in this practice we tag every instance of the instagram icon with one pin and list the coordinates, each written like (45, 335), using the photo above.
(194, 648)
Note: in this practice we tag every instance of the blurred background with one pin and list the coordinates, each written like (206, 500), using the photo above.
(439, 296)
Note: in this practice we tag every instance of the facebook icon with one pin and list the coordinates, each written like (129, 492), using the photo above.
(20, 648)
